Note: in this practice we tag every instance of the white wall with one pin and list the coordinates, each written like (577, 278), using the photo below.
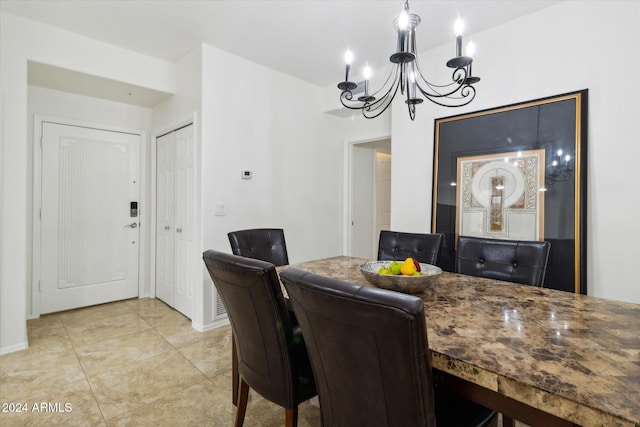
(22, 40)
(571, 46)
(249, 118)
(257, 119)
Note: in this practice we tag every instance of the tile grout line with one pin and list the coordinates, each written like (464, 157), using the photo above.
(86, 378)
(73, 346)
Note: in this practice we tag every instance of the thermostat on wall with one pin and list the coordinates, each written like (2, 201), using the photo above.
(247, 174)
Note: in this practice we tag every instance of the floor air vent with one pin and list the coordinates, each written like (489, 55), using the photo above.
(220, 310)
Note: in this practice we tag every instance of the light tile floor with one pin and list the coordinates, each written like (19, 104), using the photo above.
(136, 363)
(130, 363)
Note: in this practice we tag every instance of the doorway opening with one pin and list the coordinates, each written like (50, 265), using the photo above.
(369, 196)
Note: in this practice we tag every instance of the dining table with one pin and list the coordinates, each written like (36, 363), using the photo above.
(541, 356)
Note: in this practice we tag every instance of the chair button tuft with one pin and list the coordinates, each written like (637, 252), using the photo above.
(515, 263)
(481, 260)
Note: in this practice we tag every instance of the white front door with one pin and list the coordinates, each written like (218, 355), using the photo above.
(89, 247)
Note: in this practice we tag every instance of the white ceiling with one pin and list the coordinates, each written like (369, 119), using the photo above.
(302, 38)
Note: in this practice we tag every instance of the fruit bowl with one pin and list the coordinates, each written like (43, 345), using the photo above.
(407, 284)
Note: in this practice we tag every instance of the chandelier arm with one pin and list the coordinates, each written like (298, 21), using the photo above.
(463, 92)
(348, 95)
(386, 82)
(468, 97)
(380, 102)
(458, 78)
(382, 107)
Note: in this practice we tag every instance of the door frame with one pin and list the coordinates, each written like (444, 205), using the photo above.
(36, 238)
(348, 180)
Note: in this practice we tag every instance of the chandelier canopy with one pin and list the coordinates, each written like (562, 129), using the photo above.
(405, 75)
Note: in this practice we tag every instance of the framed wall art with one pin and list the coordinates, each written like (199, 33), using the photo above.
(516, 172)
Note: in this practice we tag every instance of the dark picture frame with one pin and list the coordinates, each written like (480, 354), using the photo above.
(555, 124)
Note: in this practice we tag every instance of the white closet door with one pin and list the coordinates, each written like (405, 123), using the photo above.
(89, 240)
(165, 227)
(177, 262)
(186, 267)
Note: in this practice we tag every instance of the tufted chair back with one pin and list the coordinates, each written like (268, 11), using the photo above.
(395, 246)
(515, 261)
(266, 244)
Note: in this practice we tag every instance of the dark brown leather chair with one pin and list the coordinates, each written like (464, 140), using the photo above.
(517, 261)
(266, 244)
(272, 357)
(395, 246)
(370, 356)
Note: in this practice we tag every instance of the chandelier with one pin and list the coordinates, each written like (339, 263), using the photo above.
(559, 165)
(559, 169)
(405, 75)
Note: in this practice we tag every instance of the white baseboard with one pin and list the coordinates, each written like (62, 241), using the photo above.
(15, 347)
(210, 326)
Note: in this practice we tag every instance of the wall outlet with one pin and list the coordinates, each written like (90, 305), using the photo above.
(219, 210)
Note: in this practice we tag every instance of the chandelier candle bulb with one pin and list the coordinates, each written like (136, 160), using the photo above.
(471, 49)
(412, 86)
(405, 34)
(348, 57)
(367, 75)
(458, 26)
(403, 21)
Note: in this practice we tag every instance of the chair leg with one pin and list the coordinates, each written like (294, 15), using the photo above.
(234, 372)
(242, 403)
(291, 417)
(507, 421)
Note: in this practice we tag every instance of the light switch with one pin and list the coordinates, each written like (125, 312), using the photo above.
(219, 210)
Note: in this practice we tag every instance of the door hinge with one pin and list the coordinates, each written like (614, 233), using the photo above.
(39, 287)
(40, 214)
(41, 137)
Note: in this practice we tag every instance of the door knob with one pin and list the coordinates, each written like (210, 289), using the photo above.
(132, 225)
(166, 227)
(178, 230)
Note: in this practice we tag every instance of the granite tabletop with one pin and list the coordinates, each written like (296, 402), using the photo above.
(574, 356)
